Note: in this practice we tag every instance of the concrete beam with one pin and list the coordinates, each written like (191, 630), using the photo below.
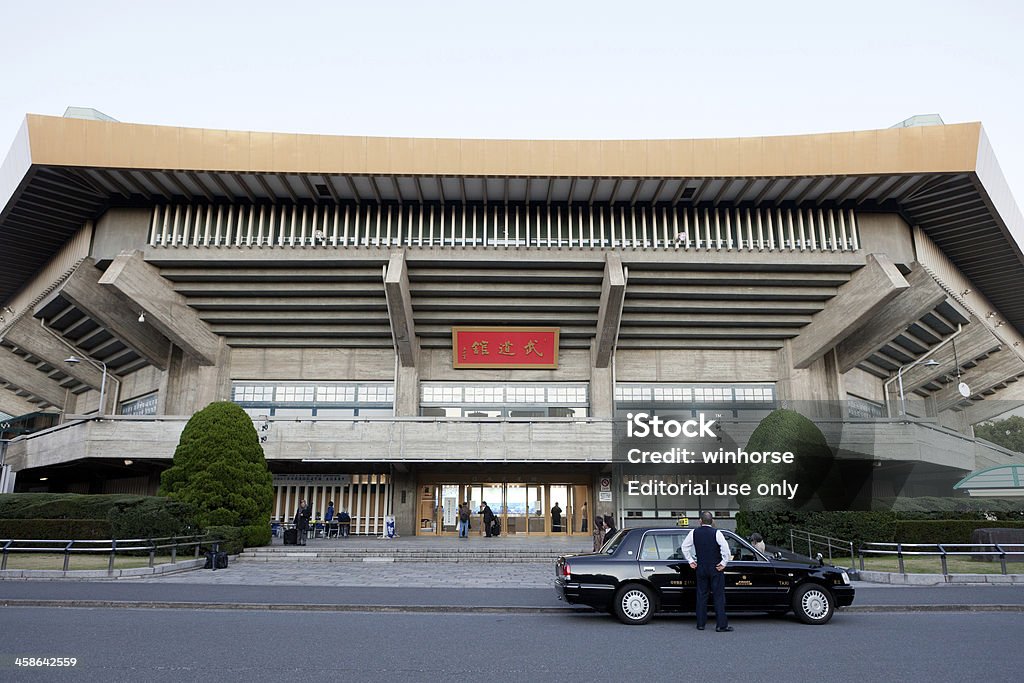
(609, 317)
(976, 340)
(166, 310)
(28, 334)
(923, 295)
(21, 374)
(995, 369)
(870, 288)
(403, 327)
(111, 311)
(1009, 398)
(15, 405)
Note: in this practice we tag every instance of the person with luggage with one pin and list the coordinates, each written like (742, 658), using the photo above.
(302, 515)
(485, 510)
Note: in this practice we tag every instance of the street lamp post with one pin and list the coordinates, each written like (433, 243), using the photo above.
(899, 375)
(103, 382)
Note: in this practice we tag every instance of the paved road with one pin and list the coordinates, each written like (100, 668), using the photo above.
(306, 592)
(177, 645)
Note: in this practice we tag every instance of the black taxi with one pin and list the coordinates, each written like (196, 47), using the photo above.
(642, 571)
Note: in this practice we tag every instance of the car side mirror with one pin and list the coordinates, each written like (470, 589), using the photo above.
(821, 559)
(777, 555)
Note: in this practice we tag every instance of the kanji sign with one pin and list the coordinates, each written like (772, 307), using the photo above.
(505, 347)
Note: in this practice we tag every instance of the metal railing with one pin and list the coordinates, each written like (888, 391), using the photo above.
(943, 551)
(813, 541)
(112, 547)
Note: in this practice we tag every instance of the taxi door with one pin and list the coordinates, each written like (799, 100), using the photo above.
(662, 563)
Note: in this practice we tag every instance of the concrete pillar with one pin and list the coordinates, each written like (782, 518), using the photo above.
(403, 488)
(407, 391)
(189, 385)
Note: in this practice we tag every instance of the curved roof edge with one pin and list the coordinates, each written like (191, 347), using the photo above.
(996, 477)
(928, 149)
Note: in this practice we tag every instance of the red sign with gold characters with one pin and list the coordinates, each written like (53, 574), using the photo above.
(505, 347)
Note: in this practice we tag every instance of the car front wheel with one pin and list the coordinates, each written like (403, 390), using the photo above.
(634, 604)
(813, 604)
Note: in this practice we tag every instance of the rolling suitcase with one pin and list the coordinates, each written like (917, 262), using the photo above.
(495, 528)
(291, 537)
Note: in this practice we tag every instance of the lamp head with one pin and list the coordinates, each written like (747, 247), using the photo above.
(72, 360)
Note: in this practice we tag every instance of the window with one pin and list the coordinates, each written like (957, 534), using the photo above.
(493, 399)
(315, 399)
(663, 546)
(740, 552)
(741, 400)
(862, 408)
(144, 405)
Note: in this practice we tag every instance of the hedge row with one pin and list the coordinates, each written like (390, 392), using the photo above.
(126, 516)
(55, 529)
(859, 527)
(930, 507)
(945, 531)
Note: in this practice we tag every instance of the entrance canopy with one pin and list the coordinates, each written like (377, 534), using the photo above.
(1002, 480)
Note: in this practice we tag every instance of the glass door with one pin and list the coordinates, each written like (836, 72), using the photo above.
(516, 509)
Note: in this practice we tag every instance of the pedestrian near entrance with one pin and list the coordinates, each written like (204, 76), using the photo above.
(706, 550)
(344, 522)
(464, 520)
(598, 533)
(609, 527)
(485, 510)
(583, 518)
(556, 518)
(302, 514)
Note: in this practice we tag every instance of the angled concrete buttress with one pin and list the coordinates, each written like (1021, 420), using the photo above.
(165, 309)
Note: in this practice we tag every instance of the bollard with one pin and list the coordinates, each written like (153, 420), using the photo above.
(113, 549)
(67, 554)
(899, 554)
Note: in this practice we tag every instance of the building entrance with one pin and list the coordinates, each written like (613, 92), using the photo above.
(523, 508)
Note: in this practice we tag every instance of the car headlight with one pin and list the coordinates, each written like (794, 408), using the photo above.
(846, 578)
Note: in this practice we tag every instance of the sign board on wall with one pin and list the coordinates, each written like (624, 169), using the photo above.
(505, 347)
(312, 479)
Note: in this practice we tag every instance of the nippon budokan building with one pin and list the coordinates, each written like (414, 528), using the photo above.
(413, 323)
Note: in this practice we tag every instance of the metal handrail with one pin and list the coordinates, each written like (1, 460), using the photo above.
(1000, 549)
(111, 546)
(828, 541)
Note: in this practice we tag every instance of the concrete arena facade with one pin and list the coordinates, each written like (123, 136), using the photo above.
(316, 281)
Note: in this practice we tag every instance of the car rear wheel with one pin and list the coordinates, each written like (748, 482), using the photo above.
(813, 604)
(634, 604)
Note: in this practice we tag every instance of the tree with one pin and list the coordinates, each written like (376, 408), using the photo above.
(219, 469)
(1008, 433)
(814, 469)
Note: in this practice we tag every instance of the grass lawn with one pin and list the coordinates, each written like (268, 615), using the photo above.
(84, 561)
(933, 565)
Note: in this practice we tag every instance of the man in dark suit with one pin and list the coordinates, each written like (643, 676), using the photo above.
(488, 518)
(708, 552)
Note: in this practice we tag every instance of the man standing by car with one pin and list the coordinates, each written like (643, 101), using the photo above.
(707, 551)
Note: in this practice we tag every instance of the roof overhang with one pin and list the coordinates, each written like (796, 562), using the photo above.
(62, 172)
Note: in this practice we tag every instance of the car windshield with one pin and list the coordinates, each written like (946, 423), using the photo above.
(612, 544)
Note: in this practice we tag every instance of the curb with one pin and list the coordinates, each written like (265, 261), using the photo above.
(92, 574)
(895, 578)
(462, 609)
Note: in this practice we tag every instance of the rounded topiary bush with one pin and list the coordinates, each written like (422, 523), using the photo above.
(813, 467)
(220, 472)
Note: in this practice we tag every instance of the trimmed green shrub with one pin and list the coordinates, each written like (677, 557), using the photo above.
(232, 538)
(126, 516)
(220, 471)
(859, 527)
(945, 530)
(62, 505)
(55, 529)
(152, 517)
(960, 507)
(820, 483)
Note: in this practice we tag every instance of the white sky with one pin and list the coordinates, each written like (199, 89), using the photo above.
(522, 69)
